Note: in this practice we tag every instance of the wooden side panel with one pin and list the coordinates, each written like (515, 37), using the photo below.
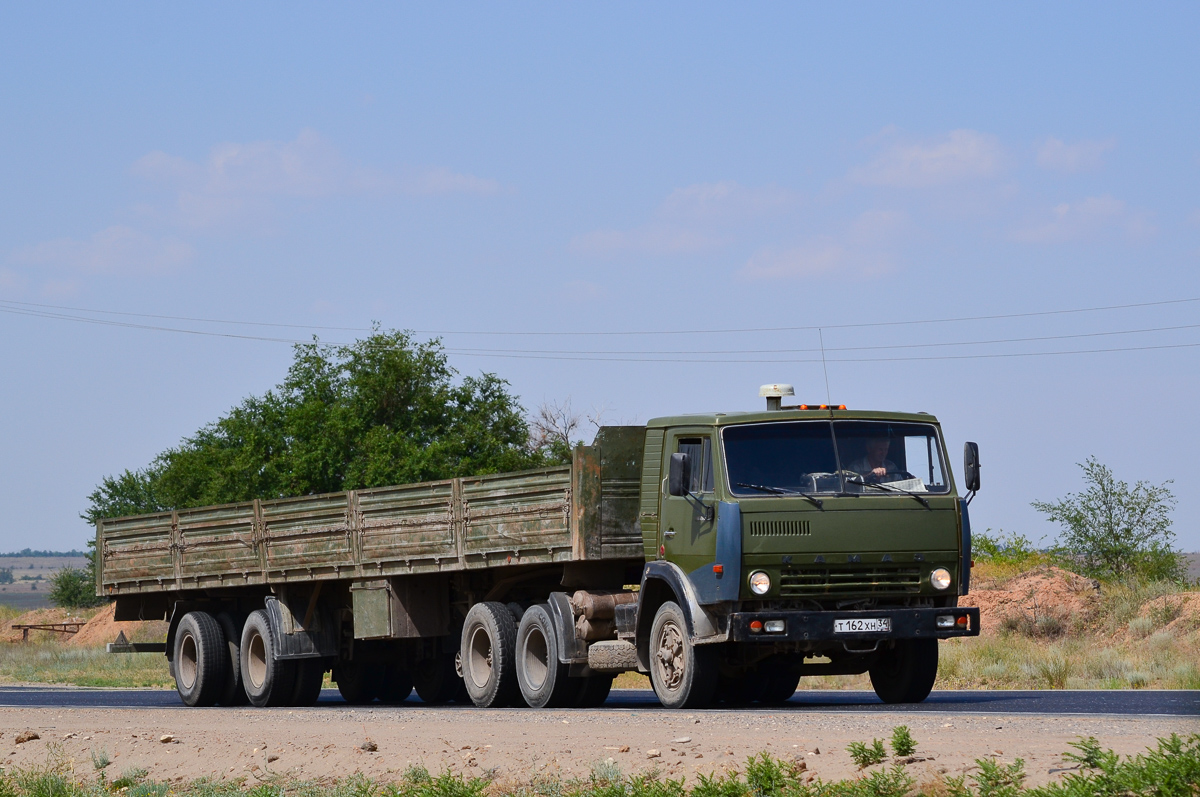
(651, 487)
(217, 540)
(308, 532)
(407, 524)
(517, 517)
(136, 549)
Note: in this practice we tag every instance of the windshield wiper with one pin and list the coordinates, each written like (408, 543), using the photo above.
(817, 502)
(862, 482)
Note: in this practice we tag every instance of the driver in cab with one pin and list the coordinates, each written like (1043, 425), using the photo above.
(875, 465)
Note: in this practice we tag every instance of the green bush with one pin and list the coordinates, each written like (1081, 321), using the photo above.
(71, 588)
(903, 744)
(865, 755)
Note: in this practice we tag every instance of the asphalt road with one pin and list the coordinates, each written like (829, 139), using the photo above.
(1144, 702)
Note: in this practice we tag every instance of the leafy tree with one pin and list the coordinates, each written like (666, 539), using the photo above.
(1114, 531)
(71, 588)
(6, 576)
(384, 410)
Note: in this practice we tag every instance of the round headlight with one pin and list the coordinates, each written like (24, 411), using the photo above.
(940, 578)
(760, 583)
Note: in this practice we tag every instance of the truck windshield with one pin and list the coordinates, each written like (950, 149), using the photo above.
(824, 457)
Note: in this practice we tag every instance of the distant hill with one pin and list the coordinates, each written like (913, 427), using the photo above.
(28, 552)
(1193, 566)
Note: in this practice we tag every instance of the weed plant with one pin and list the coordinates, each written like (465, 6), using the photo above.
(1170, 769)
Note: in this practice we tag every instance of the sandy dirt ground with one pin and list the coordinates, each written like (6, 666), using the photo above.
(520, 745)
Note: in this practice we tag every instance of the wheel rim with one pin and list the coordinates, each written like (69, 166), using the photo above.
(479, 657)
(669, 661)
(536, 659)
(187, 665)
(257, 661)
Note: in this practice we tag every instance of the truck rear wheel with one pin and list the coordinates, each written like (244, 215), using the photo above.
(201, 659)
(593, 690)
(310, 675)
(397, 685)
(684, 675)
(233, 694)
(436, 680)
(905, 672)
(489, 647)
(542, 677)
(267, 680)
(358, 683)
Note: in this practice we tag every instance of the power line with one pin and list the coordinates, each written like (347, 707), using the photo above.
(813, 327)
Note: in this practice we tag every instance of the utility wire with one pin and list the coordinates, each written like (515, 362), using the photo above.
(957, 319)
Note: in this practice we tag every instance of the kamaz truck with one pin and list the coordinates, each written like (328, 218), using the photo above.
(726, 555)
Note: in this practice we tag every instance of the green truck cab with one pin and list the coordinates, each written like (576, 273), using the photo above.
(810, 540)
(726, 555)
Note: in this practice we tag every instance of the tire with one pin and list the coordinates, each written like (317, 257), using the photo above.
(593, 690)
(542, 678)
(267, 680)
(358, 683)
(201, 659)
(780, 677)
(436, 679)
(906, 672)
(489, 648)
(740, 690)
(310, 675)
(397, 685)
(233, 694)
(684, 675)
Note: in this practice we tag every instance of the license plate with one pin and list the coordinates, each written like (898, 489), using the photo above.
(863, 625)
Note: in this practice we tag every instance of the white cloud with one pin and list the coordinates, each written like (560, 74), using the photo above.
(1093, 217)
(11, 281)
(876, 225)
(241, 181)
(688, 220)
(961, 155)
(444, 181)
(815, 259)
(724, 201)
(113, 251)
(652, 239)
(1080, 156)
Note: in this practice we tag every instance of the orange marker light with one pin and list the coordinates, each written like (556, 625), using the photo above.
(755, 626)
(719, 569)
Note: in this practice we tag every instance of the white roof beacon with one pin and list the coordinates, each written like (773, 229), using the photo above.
(774, 394)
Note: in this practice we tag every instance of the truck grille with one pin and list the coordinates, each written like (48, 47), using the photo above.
(779, 528)
(804, 582)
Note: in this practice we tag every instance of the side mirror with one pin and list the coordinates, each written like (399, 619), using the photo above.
(680, 474)
(971, 466)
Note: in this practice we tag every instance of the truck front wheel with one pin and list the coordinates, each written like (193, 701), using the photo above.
(489, 652)
(684, 675)
(201, 659)
(267, 680)
(905, 672)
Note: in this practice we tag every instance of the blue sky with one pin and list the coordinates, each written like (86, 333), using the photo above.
(684, 170)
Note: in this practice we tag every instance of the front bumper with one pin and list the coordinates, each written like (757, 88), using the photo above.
(804, 626)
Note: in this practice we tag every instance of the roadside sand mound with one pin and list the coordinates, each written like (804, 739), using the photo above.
(102, 629)
(10, 634)
(1045, 592)
(1184, 608)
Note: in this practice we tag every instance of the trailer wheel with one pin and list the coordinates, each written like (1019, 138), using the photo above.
(905, 673)
(397, 686)
(358, 683)
(310, 675)
(593, 690)
(234, 694)
(684, 675)
(267, 680)
(201, 659)
(436, 680)
(542, 677)
(489, 640)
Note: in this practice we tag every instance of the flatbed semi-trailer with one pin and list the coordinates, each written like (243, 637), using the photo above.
(726, 555)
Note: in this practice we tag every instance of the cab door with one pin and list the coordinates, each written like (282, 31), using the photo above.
(688, 523)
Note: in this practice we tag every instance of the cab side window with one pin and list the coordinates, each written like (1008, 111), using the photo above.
(699, 451)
